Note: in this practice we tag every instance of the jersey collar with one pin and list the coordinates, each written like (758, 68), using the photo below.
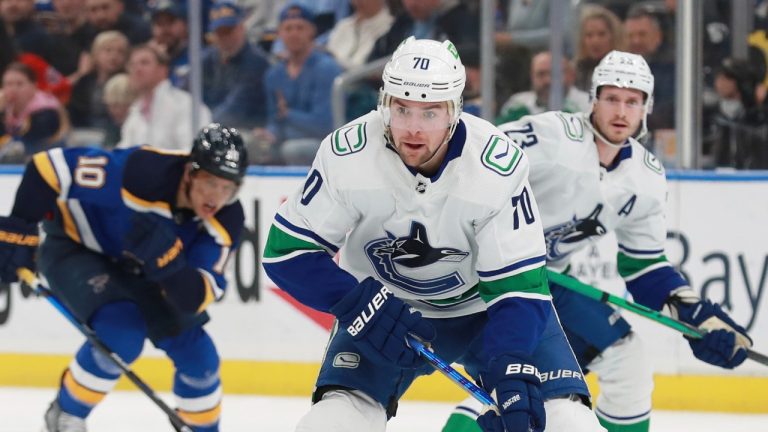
(624, 153)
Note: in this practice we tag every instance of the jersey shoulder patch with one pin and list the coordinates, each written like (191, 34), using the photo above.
(647, 175)
(652, 162)
(349, 139)
(353, 137)
(500, 155)
(573, 126)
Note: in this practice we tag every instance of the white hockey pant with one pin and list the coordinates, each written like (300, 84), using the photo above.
(354, 411)
(344, 411)
(626, 382)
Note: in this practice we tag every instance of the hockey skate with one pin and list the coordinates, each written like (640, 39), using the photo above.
(57, 420)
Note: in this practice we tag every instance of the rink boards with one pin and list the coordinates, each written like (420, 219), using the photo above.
(271, 345)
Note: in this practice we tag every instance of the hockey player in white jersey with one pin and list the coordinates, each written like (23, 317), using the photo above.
(590, 176)
(441, 239)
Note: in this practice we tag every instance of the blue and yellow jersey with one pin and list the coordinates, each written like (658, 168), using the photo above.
(97, 191)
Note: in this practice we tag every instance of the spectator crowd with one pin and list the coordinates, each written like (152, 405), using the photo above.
(117, 72)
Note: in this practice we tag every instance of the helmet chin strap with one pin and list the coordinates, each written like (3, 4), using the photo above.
(434, 153)
(587, 118)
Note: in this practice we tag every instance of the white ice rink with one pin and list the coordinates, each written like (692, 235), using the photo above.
(21, 410)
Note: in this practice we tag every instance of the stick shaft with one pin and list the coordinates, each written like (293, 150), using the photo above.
(450, 372)
(604, 297)
(31, 280)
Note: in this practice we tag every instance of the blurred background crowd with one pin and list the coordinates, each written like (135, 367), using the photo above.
(119, 73)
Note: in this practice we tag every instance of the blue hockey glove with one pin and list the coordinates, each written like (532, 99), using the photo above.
(724, 344)
(513, 381)
(154, 245)
(378, 321)
(18, 243)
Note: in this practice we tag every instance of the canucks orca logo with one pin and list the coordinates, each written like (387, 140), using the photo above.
(413, 251)
(561, 236)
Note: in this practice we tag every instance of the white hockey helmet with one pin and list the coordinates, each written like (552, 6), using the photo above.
(426, 71)
(625, 70)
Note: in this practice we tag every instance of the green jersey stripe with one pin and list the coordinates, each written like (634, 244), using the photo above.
(530, 282)
(280, 243)
(629, 267)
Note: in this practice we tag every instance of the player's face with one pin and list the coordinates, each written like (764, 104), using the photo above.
(418, 129)
(208, 193)
(618, 112)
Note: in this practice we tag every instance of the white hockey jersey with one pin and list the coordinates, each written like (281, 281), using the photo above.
(451, 244)
(580, 200)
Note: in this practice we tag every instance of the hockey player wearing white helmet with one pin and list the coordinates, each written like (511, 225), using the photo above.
(590, 176)
(422, 197)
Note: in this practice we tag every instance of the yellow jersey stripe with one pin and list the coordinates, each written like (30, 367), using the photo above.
(209, 295)
(80, 392)
(219, 232)
(165, 151)
(69, 222)
(46, 170)
(201, 418)
(141, 203)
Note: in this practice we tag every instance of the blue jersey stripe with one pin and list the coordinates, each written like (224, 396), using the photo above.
(512, 267)
(305, 232)
(641, 252)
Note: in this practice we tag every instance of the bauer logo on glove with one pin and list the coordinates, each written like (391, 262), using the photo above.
(170, 254)
(367, 313)
(19, 239)
(516, 368)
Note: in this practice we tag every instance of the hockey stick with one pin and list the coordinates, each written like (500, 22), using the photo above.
(450, 372)
(33, 282)
(604, 297)
(454, 375)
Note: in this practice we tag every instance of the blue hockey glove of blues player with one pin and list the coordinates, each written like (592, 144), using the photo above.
(724, 344)
(513, 381)
(154, 245)
(18, 243)
(378, 321)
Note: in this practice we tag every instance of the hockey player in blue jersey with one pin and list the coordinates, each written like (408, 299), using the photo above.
(591, 176)
(420, 196)
(135, 245)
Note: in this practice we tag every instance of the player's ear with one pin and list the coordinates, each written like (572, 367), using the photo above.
(188, 171)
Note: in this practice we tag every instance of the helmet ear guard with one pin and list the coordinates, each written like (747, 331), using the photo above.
(423, 70)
